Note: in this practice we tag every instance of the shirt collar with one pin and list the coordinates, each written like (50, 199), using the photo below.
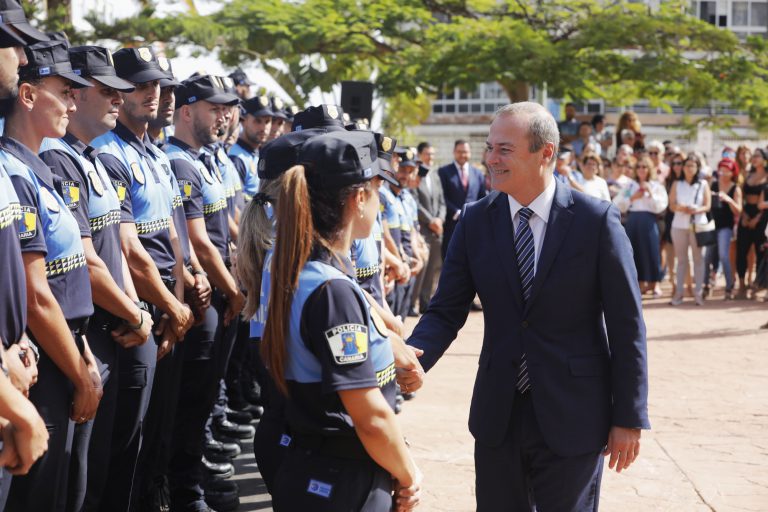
(28, 158)
(541, 206)
(128, 136)
(183, 145)
(461, 168)
(247, 147)
(340, 262)
(76, 143)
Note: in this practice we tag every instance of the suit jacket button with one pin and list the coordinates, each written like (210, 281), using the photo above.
(525, 324)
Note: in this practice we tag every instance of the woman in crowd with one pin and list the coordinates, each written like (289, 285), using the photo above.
(667, 249)
(726, 208)
(643, 199)
(753, 220)
(630, 121)
(593, 185)
(743, 157)
(321, 345)
(69, 386)
(690, 199)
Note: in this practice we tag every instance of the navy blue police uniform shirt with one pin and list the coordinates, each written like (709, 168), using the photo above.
(406, 224)
(48, 227)
(340, 349)
(246, 160)
(88, 192)
(202, 191)
(162, 162)
(233, 186)
(143, 198)
(13, 285)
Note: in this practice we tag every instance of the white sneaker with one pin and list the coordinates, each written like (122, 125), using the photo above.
(676, 301)
(699, 299)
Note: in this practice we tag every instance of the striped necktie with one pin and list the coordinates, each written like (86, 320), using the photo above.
(525, 251)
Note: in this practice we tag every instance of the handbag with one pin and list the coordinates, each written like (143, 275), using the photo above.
(705, 233)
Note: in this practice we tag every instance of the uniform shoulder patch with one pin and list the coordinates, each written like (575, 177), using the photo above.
(71, 194)
(28, 223)
(120, 188)
(185, 188)
(348, 343)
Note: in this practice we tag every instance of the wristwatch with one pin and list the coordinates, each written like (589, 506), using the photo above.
(143, 306)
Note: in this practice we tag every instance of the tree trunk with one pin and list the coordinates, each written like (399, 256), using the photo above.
(516, 90)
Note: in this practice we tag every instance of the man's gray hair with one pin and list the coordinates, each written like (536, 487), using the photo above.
(542, 127)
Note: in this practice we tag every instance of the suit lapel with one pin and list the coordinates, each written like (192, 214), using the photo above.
(560, 218)
(504, 236)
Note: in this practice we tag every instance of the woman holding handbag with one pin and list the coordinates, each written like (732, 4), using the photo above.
(690, 199)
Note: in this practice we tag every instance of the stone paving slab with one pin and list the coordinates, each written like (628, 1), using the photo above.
(708, 450)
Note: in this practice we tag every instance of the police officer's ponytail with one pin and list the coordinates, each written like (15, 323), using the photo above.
(256, 237)
(307, 215)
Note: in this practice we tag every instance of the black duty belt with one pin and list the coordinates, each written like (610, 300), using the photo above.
(345, 447)
(78, 327)
(170, 283)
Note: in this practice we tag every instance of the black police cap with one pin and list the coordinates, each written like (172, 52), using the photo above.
(407, 156)
(8, 38)
(258, 106)
(343, 158)
(137, 65)
(278, 108)
(96, 62)
(282, 153)
(12, 13)
(228, 84)
(240, 78)
(386, 146)
(203, 88)
(291, 111)
(58, 35)
(169, 80)
(50, 58)
(321, 116)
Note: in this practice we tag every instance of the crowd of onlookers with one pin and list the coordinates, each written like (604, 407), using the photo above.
(698, 225)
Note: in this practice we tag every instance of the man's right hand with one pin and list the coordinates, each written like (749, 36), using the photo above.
(182, 320)
(86, 397)
(234, 308)
(436, 226)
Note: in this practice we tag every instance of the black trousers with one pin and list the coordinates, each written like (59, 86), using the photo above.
(321, 483)
(45, 486)
(524, 474)
(91, 454)
(198, 390)
(745, 239)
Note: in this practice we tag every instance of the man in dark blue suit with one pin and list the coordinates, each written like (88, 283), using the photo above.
(562, 377)
(462, 184)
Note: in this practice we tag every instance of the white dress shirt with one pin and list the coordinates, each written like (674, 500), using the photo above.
(461, 169)
(541, 207)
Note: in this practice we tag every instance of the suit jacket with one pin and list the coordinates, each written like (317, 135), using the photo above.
(455, 195)
(431, 204)
(582, 329)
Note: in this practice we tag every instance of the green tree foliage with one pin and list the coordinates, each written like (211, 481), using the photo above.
(617, 50)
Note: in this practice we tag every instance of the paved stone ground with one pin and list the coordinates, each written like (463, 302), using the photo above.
(708, 450)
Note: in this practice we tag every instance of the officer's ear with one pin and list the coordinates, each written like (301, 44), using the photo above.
(547, 154)
(27, 95)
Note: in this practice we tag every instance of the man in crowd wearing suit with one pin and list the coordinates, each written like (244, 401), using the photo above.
(462, 183)
(431, 218)
(562, 377)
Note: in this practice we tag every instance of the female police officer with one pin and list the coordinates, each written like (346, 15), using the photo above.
(321, 346)
(56, 272)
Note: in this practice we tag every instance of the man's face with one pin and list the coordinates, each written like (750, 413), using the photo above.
(427, 156)
(98, 106)
(511, 165)
(234, 121)
(462, 154)
(570, 112)
(404, 175)
(207, 121)
(167, 106)
(141, 105)
(10, 61)
(256, 129)
(585, 131)
(277, 128)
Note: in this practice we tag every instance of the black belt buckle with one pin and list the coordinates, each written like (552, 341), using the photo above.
(170, 283)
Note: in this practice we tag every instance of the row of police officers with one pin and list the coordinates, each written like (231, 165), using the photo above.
(142, 220)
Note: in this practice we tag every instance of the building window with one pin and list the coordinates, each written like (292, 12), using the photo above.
(485, 99)
(740, 14)
(759, 15)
